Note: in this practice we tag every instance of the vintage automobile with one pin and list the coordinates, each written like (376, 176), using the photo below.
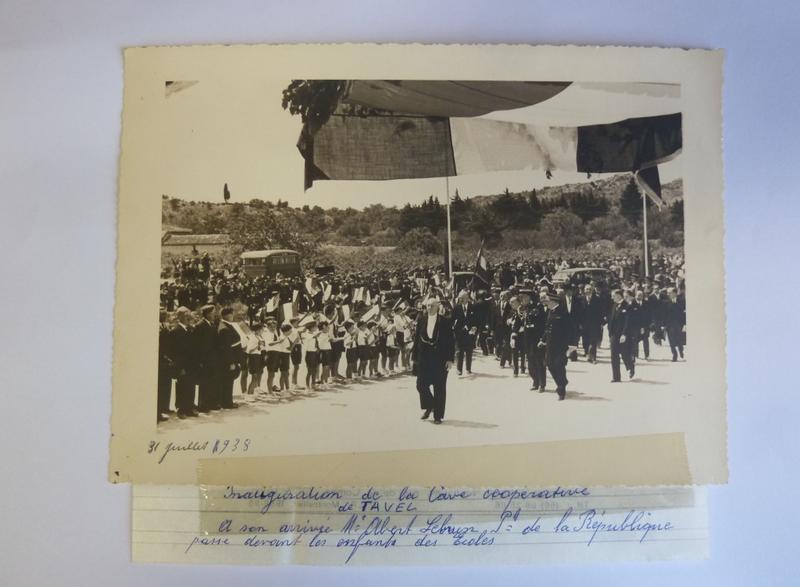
(581, 275)
(270, 262)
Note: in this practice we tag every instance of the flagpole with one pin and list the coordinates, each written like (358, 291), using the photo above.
(644, 225)
(449, 236)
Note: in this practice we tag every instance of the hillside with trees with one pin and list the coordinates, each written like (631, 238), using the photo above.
(551, 218)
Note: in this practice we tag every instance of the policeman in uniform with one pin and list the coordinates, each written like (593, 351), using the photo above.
(535, 321)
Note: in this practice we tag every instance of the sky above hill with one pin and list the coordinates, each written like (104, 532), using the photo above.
(234, 131)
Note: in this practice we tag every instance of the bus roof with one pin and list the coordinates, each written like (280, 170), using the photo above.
(266, 253)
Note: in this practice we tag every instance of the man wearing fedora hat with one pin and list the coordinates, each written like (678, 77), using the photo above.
(432, 353)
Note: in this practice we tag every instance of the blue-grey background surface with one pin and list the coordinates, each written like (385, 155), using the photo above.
(60, 106)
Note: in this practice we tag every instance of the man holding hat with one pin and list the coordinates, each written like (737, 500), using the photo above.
(183, 349)
(432, 354)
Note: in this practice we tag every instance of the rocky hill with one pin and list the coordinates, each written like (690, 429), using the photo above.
(610, 188)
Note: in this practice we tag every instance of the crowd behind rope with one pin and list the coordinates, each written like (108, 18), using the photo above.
(218, 325)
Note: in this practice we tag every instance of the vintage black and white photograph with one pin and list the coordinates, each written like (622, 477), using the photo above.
(353, 265)
(574, 271)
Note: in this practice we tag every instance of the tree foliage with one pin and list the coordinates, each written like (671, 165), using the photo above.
(630, 203)
(552, 217)
(562, 229)
(314, 100)
(421, 240)
(262, 228)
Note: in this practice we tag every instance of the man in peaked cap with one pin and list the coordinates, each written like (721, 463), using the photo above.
(535, 321)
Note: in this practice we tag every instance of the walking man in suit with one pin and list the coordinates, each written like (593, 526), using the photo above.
(535, 322)
(617, 326)
(229, 345)
(675, 322)
(502, 331)
(466, 322)
(591, 315)
(558, 338)
(645, 322)
(432, 355)
(633, 330)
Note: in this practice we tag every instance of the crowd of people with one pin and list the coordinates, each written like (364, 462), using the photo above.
(220, 327)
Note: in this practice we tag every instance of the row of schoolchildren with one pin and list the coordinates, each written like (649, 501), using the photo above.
(370, 349)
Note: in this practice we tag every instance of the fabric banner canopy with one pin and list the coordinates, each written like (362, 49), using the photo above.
(421, 129)
(406, 147)
(448, 98)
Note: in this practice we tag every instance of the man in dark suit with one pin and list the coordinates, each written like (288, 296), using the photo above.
(466, 323)
(634, 329)
(570, 302)
(166, 368)
(558, 338)
(483, 310)
(602, 291)
(229, 344)
(205, 334)
(183, 354)
(645, 322)
(617, 327)
(535, 321)
(591, 320)
(502, 330)
(674, 315)
(516, 340)
(490, 325)
(432, 354)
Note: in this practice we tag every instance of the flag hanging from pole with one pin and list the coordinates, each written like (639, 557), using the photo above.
(272, 303)
(649, 184)
(481, 269)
